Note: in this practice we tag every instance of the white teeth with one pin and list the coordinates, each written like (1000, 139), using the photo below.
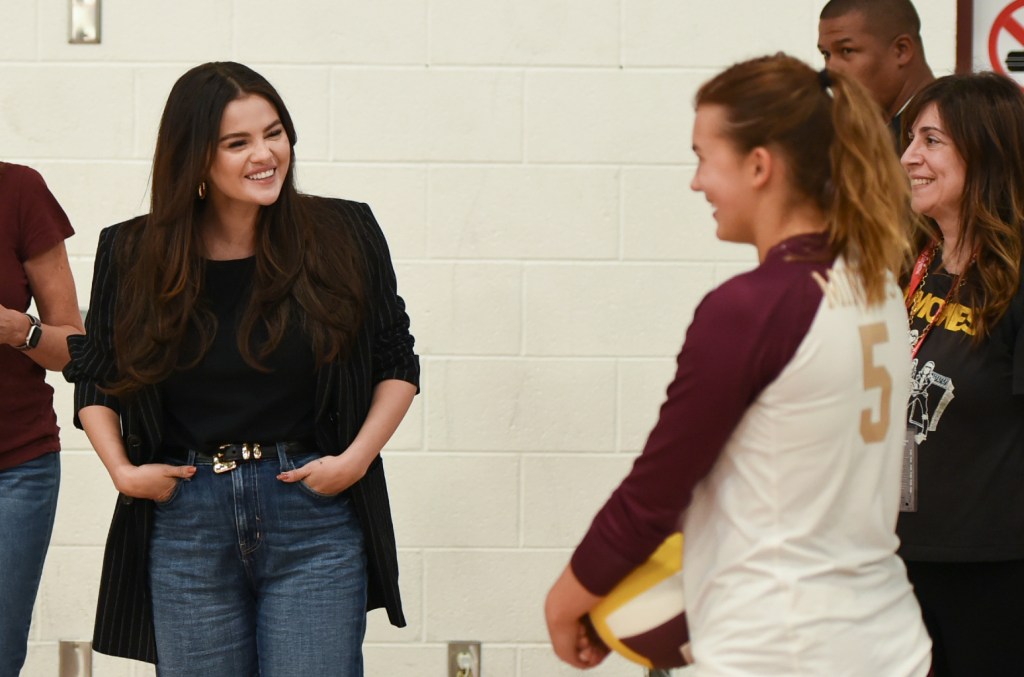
(262, 175)
(920, 182)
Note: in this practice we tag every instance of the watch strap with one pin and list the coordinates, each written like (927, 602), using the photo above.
(35, 333)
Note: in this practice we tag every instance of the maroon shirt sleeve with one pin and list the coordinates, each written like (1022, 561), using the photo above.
(43, 223)
(742, 335)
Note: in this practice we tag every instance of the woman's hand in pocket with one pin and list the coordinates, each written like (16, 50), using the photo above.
(155, 481)
(327, 475)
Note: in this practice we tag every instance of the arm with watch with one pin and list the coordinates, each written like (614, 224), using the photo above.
(44, 339)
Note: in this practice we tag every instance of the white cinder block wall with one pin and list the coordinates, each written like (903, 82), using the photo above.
(529, 161)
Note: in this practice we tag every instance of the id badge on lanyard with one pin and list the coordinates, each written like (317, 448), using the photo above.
(908, 481)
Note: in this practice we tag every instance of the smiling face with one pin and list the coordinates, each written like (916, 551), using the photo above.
(936, 170)
(722, 175)
(852, 48)
(251, 158)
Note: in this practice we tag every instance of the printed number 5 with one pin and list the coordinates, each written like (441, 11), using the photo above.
(875, 376)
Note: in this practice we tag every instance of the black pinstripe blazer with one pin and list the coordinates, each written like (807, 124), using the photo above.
(383, 350)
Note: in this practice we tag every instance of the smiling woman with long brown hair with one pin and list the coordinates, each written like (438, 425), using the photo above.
(247, 358)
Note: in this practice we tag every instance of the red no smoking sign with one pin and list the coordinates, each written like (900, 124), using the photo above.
(1006, 41)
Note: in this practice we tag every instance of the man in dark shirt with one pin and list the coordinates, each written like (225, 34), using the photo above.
(878, 43)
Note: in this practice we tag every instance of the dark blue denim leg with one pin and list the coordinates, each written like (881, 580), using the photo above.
(203, 606)
(311, 576)
(28, 502)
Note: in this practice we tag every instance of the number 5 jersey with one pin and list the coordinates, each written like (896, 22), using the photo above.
(781, 438)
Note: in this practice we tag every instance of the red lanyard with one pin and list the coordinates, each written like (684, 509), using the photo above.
(924, 262)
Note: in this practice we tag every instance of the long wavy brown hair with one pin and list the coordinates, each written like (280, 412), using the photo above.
(838, 150)
(307, 273)
(983, 114)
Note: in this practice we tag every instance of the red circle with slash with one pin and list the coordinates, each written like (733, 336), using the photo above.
(1004, 22)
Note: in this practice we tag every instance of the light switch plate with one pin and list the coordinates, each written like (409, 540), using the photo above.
(84, 22)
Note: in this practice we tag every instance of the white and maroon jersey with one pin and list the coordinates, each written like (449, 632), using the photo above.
(781, 437)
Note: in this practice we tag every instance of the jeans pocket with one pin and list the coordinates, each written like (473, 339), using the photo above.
(174, 495)
(316, 494)
(300, 461)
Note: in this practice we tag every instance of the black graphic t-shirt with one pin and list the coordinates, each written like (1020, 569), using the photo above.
(966, 413)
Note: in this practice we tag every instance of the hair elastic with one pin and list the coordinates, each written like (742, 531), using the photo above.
(824, 79)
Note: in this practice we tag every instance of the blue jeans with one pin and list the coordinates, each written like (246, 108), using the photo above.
(253, 576)
(28, 501)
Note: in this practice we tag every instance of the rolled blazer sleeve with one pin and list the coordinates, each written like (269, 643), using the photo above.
(393, 356)
(92, 362)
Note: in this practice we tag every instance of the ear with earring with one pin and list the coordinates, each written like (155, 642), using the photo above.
(201, 191)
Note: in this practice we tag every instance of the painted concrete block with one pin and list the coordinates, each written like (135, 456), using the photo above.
(488, 32)
(460, 593)
(714, 35)
(524, 212)
(455, 501)
(609, 116)
(611, 309)
(464, 308)
(43, 111)
(527, 405)
(427, 115)
(561, 495)
(332, 31)
(20, 31)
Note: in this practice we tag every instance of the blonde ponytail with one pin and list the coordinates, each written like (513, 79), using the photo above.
(870, 219)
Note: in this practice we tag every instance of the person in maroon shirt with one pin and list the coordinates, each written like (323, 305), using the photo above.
(778, 446)
(33, 266)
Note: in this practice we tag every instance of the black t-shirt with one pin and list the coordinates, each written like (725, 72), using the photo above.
(223, 399)
(966, 411)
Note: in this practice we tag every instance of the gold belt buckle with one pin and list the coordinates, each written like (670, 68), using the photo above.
(220, 465)
(253, 452)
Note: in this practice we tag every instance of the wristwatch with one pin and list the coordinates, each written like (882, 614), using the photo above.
(35, 332)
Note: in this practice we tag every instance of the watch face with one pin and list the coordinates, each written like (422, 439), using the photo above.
(34, 334)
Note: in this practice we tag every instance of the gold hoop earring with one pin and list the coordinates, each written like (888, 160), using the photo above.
(202, 190)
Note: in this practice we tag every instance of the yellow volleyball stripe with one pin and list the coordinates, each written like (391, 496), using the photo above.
(666, 561)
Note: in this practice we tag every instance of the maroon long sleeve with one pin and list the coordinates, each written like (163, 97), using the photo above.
(742, 336)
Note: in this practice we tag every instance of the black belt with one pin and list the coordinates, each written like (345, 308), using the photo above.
(225, 457)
